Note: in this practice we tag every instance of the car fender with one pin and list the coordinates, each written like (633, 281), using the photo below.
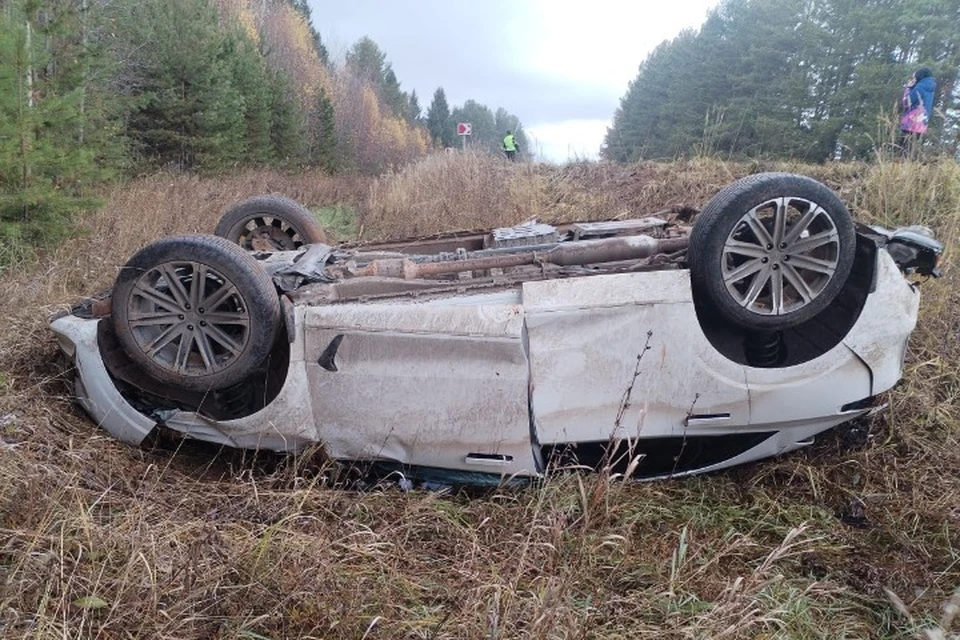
(879, 337)
(286, 424)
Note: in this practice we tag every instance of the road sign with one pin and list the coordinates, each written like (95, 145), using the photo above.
(464, 128)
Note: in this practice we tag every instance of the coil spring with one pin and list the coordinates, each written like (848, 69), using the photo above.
(764, 349)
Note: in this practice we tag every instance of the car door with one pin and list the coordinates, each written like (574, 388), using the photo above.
(436, 382)
(622, 356)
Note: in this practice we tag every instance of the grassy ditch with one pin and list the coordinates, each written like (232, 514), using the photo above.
(855, 537)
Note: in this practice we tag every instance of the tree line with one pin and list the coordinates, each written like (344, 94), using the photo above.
(806, 79)
(488, 128)
(368, 62)
(91, 90)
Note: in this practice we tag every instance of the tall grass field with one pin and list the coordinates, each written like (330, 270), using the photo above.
(857, 536)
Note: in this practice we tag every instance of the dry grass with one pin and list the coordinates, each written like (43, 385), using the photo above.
(452, 191)
(98, 539)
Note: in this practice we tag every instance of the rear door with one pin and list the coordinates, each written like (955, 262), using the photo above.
(623, 356)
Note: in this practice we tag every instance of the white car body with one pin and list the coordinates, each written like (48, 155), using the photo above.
(494, 383)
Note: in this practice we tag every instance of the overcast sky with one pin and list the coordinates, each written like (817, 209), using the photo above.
(561, 67)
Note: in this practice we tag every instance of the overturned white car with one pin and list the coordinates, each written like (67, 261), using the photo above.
(642, 345)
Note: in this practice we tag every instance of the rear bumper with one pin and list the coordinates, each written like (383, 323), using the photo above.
(94, 389)
(285, 425)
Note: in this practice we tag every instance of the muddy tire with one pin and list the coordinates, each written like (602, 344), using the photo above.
(270, 223)
(771, 251)
(196, 312)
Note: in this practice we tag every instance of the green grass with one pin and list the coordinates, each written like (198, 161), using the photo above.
(339, 219)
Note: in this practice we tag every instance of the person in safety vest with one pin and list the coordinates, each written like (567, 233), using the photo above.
(510, 146)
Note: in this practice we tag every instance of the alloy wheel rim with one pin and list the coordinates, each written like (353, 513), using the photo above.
(188, 318)
(780, 256)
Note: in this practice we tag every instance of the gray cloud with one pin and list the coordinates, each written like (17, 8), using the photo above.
(467, 48)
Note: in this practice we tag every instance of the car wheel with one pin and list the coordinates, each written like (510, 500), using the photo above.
(771, 251)
(270, 223)
(196, 312)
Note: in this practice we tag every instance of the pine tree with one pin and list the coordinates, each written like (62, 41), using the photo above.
(438, 117)
(414, 112)
(287, 127)
(323, 139)
(248, 74)
(46, 161)
(392, 96)
(188, 113)
(366, 61)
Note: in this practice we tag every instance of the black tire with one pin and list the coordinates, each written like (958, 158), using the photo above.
(194, 338)
(761, 275)
(270, 223)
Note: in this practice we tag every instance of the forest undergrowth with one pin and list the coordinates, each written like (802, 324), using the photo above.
(854, 537)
